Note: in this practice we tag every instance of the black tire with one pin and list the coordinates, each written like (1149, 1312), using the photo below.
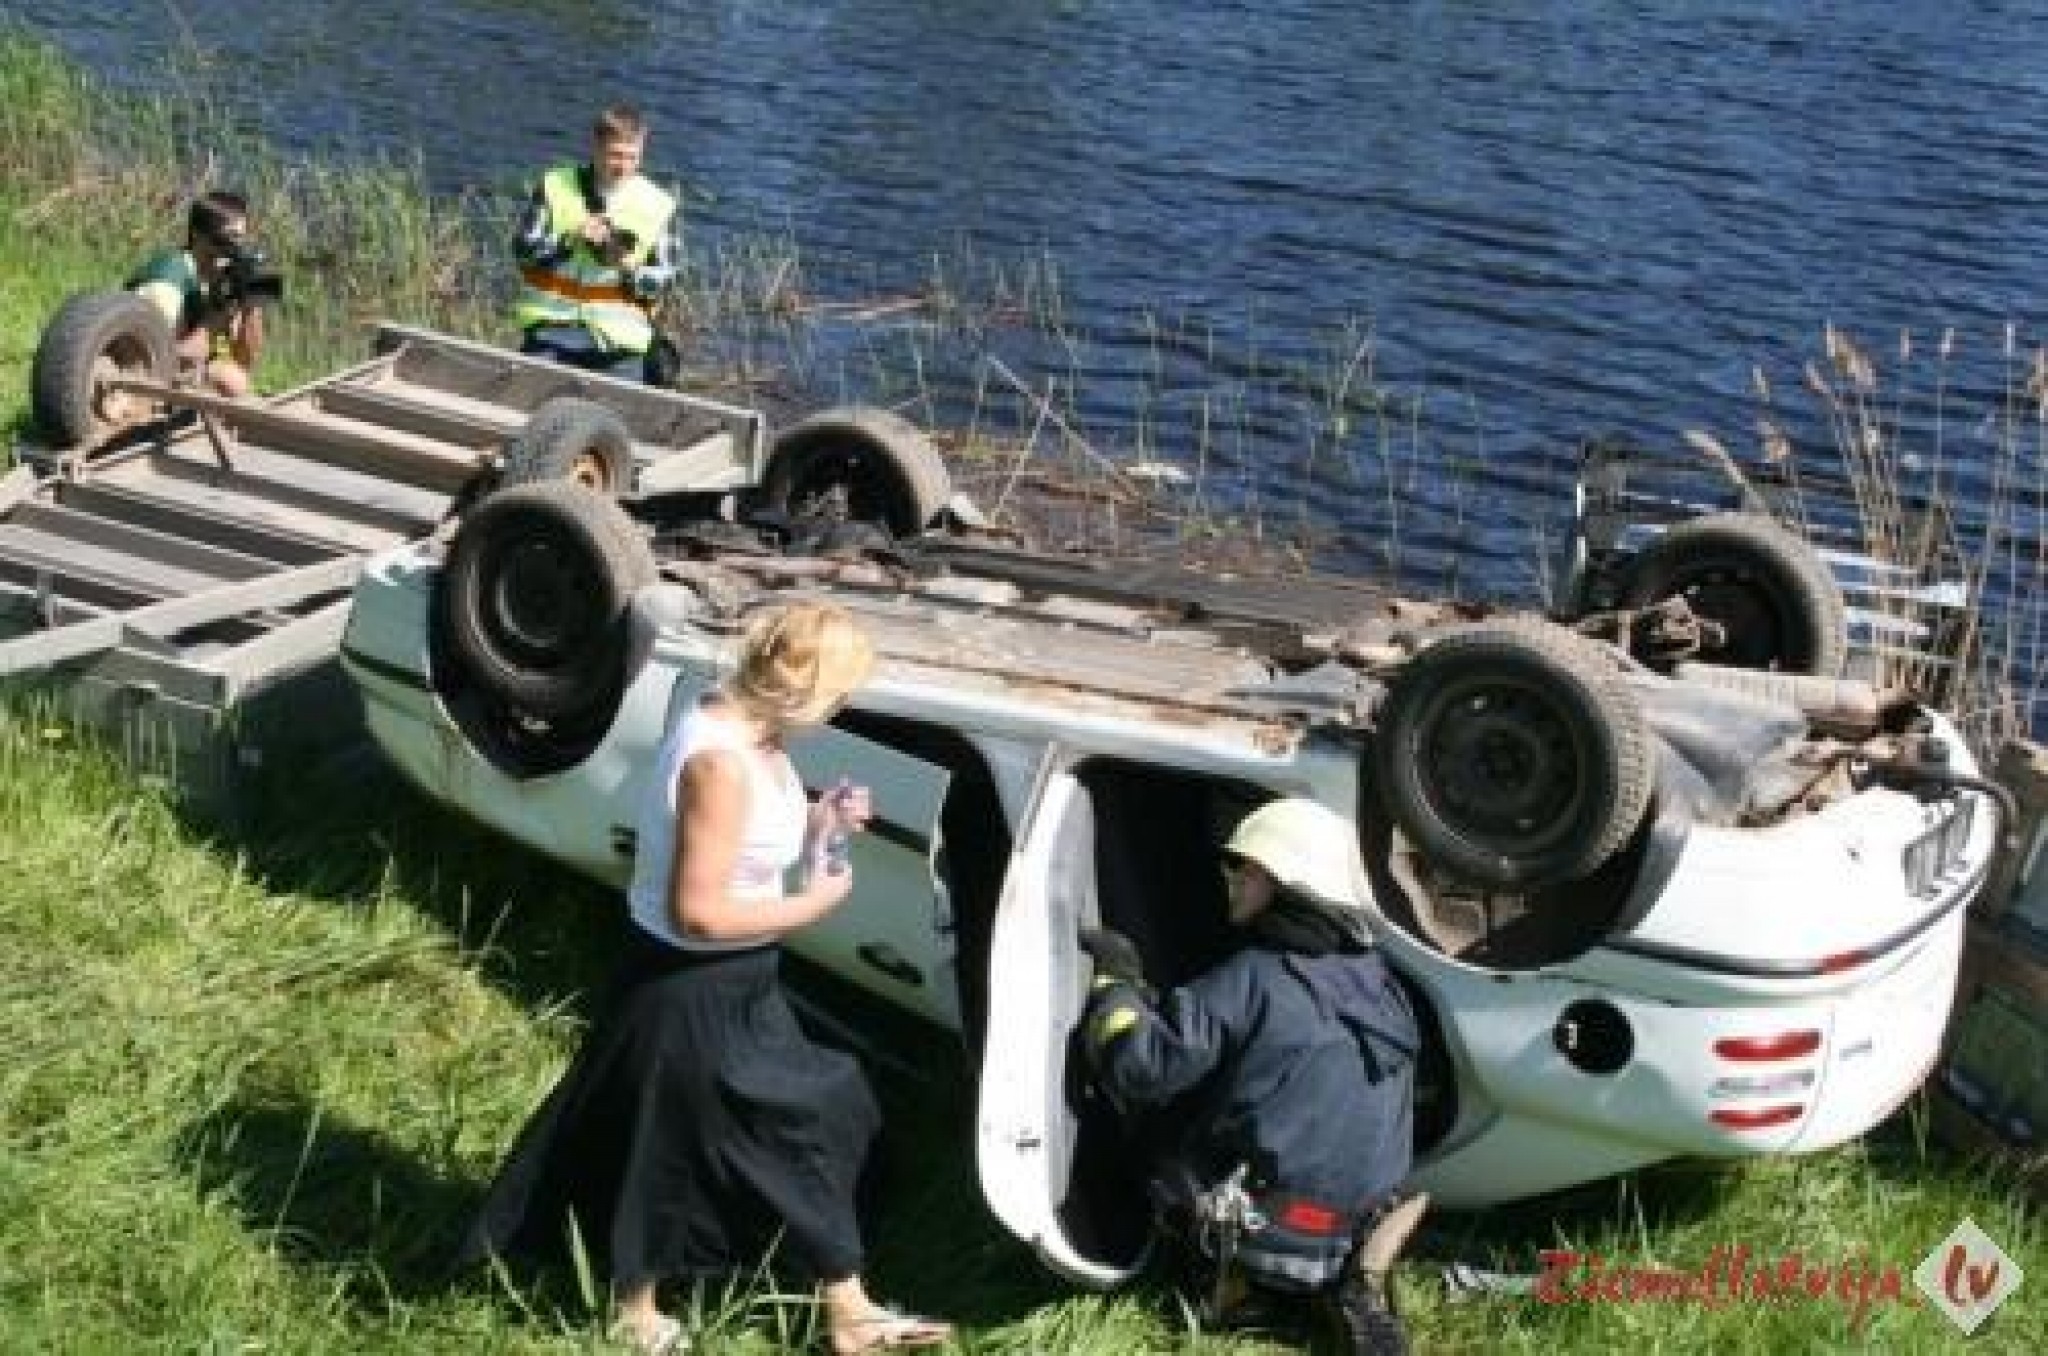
(536, 589)
(1512, 755)
(891, 472)
(1773, 596)
(95, 336)
(573, 439)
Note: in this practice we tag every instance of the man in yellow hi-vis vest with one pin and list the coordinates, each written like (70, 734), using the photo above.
(596, 249)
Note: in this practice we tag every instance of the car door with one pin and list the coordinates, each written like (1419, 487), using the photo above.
(895, 936)
(1030, 1142)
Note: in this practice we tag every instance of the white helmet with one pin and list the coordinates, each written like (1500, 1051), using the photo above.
(1308, 848)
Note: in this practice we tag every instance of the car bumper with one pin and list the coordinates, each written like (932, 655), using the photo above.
(1543, 1106)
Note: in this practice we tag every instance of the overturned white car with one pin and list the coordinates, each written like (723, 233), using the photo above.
(1645, 909)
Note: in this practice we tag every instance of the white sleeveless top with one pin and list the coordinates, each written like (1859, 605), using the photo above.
(771, 842)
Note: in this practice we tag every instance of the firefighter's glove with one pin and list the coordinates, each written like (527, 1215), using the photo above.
(1116, 959)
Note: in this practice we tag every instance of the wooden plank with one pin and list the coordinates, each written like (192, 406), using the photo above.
(47, 649)
(304, 432)
(21, 610)
(414, 409)
(70, 584)
(664, 420)
(151, 676)
(299, 644)
(65, 558)
(281, 589)
(159, 509)
(16, 487)
(265, 489)
(165, 620)
(113, 534)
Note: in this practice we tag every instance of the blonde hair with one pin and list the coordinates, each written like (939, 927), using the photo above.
(799, 662)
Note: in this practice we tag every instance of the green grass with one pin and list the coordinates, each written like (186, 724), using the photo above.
(256, 1075)
(91, 183)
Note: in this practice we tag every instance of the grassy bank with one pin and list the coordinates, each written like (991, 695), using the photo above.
(257, 1079)
(256, 1076)
(93, 183)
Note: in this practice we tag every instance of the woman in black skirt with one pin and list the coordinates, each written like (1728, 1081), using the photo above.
(699, 1128)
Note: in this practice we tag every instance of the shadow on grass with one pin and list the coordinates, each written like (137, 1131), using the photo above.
(333, 1196)
(1908, 1150)
(349, 831)
(352, 831)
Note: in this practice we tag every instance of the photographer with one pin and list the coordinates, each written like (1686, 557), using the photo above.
(595, 252)
(212, 292)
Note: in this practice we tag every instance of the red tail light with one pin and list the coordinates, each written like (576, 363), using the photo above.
(1783, 1045)
(1310, 1218)
(1840, 961)
(1759, 1118)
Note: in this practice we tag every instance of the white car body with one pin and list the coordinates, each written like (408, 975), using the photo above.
(1781, 990)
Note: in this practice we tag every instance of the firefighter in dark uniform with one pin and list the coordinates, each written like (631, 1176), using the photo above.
(1288, 1075)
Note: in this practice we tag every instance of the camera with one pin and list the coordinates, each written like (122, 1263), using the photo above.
(246, 277)
(619, 246)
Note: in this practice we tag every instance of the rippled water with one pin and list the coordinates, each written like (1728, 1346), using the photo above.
(1551, 219)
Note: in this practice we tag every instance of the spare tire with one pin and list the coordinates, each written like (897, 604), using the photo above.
(1512, 755)
(94, 337)
(534, 598)
(1773, 597)
(890, 471)
(573, 439)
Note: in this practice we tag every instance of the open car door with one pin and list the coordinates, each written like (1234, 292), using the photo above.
(895, 937)
(1047, 1158)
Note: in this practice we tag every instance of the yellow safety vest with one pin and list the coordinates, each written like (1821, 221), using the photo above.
(582, 289)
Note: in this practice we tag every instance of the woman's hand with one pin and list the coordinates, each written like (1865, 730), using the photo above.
(825, 891)
(846, 808)
(835, 817)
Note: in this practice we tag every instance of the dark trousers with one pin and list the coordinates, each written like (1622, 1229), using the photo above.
(576, 346)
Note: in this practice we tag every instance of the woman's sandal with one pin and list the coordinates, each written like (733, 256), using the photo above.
(886, 1330)
(664, 1337)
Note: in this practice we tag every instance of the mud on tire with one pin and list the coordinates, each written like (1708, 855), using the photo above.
(93, 338)
(888, 467)
(572, 439)
(1512, 755)
(1773, 596)
(535, 594)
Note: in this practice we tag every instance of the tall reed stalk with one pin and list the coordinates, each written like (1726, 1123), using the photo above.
(1897, 446)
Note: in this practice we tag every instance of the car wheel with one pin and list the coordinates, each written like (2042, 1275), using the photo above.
(1511, 755)
(94, 338)
(888, 469)
(1768, 591)
(573, 439)
(535, 595)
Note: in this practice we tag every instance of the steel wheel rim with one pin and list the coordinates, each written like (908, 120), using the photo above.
(1500, 761)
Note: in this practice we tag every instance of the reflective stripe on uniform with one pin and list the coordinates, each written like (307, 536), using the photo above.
(545, 280)
(1112, 1023)
(580, 288)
